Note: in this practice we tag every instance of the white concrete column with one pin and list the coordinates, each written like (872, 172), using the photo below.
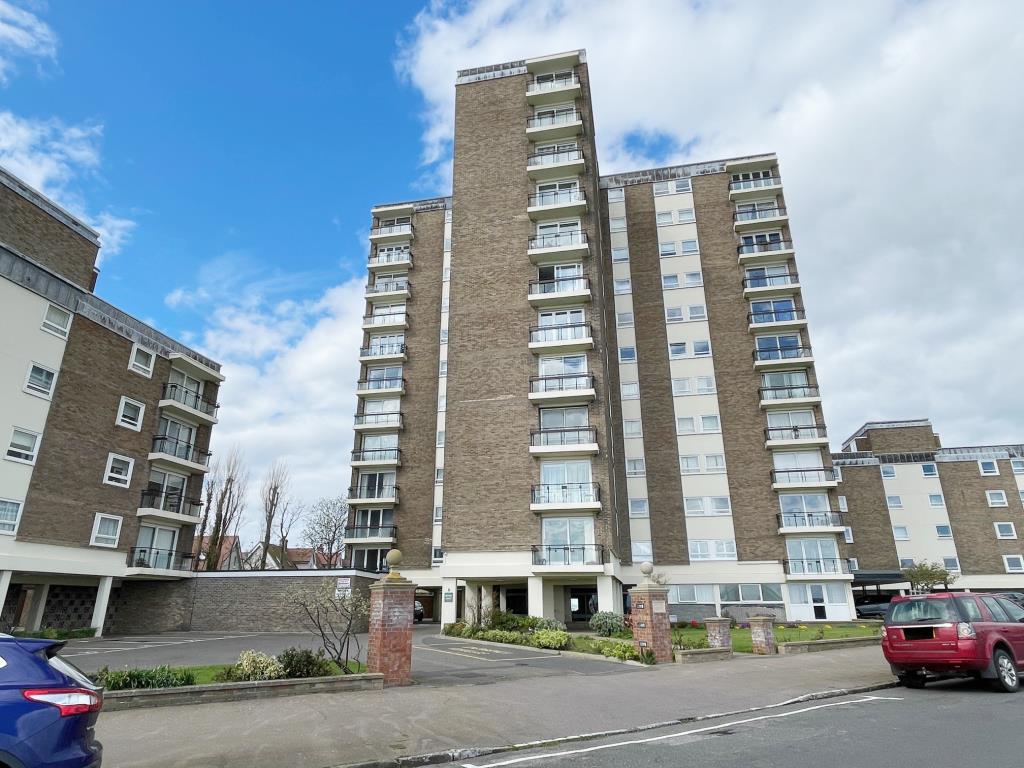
(554, 602)
(5, 585)
(486, 600)
(609, 594)
(502, 599)
(535, 596)
(471, 603)
(99, 611)
(34, 620)
(449, 601)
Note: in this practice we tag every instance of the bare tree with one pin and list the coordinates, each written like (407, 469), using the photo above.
(274, 496)
(337, 617)
(325, 530)
(287, 517)
(227, 485)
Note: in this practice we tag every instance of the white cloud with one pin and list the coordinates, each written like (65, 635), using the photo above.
(894, 123)
(23, 35)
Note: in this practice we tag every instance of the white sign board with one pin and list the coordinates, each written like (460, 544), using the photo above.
(343, 587)
(659, 606)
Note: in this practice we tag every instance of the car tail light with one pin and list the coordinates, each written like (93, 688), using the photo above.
(70, 701)
(965, 631)
(884, 633)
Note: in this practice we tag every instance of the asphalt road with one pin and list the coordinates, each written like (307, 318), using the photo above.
(953, 723)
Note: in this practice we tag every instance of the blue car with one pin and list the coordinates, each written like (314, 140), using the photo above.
(48, 708)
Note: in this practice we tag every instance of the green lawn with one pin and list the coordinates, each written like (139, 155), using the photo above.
(691, 637)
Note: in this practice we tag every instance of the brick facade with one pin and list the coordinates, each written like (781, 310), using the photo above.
(389, 649)
(899, 440)
(649, 621)
(868, 515)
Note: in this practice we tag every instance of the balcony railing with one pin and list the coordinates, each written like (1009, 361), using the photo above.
(815, 566)
(557, 240)
(558, 118)
(376, 454)
(387, 286)
(811, 475)
(810, 519)
(759, 213)
(788, 393)
(559, 285)
(771, 281)
(165, 559)
(557, 197)
(382, 350)
(560, 81)
(570, 332)
(768, 247)
(782, 353)
(388, 319)
(762, 183)
(568, 554)
(392, 229)
(190, 398)
(180, 449)
(776, 316)
(562, 383)
(373, 492)
(553, 158)
(566, 493)
(170, 502)
(350, 563)
(391, 382)
(802, 432)
(390, 419)
(371, 532)
(563, 436)
(391, 257)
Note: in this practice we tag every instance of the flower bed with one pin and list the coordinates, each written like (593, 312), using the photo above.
(694, 635)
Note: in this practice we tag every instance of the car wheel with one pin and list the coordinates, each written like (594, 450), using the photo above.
(1007, 679)
(912, 680)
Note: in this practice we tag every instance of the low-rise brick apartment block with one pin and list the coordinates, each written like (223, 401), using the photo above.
(104, 428)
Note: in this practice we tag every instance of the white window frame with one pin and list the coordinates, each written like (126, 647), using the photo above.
(1018, 558)
(641, 472)
(142, 371)
(888, 470)
(956, 564)
(854, 564)
(438, 475)
(706, 390)
(436, 555)
(695, 312)
(694, 246)
(682, 185)
(848, 534)
(993, 498)
(622, 322)
(630, 396)
(1017, 465)
(1013, 530)
(35, 448)
(623, 286)
(693, 279)
(623, 252)
(634, 556)
(111, 457)
(686, 425)
(673, 355)
(61, 332)
(616, 194)
(940, 534)
(119, 421)
(906, 562)
(717, 549)
(17, 516)
(685, 216)
(439, 442)
(995, 467)
(644, 511)
(638, 433)
(96, 526)
(627, 354)
(934, 468)
(616, 223)
(719, 468)
(931, 500)
(670, 282)
(843, 504)
(894, 502)
(896, 533)
(694, 470)
(47, 395)
(438, 514)
(660, 188)
(661, 220)
(706, 353)
(681, 390)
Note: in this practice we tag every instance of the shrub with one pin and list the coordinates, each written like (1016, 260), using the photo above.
(550, 638)
(228, 674)
(621, 651)
(606, 623)
(302, 662)
(502, 636)
(692, 643)
(59, 634)
(132, 679)
(253, 665)
(647, 657)
(453, 630)
(510, 622)
(554, 624)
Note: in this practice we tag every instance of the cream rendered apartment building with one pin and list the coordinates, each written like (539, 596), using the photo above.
(566, 374)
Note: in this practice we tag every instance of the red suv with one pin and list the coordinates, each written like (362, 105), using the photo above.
(955, 635)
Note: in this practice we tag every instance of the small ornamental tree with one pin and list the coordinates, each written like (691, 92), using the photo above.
(925, 576)
(337, 618)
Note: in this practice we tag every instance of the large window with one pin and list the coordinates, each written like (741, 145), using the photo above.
(40, 381)
(24, 446)
(10, 511)
(57, 321)
(692, 593)
(568, 541)
(813, 556)
(118, 471)
(712, 549)
(106, 530)
(129, 414)
(750, 593)
(141, 361)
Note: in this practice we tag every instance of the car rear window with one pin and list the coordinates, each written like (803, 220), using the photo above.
(969, 608)
(69, 669)
(921, 611)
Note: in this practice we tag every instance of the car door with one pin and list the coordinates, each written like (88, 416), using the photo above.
(1015, 630)
(1002, 624)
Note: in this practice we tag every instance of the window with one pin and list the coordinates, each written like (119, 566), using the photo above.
(664, 218)
(888, 470)
(854, 565)
(689, 465)
(843, 506)
(40, 381)
(837, 473)
(620, 255)
(666, 249)
(691, 593)
(437, 555)
(10, 511)
(688, 246)
(438, 514)
(906, 562)
(682, 185)
(712, 549)
(105, 531)
(701, 348)
(624, 319)
(445, 303)
(129, 414)
(693, 279)
(440, 438)
(684, 215)
(714, 462)
(695, 506)
(627, 354)
(996, 498)
(750, 593)
(439, 475)
(635, 468)
(1017, 465)
(697, 312)
(56, 321)
(686, 425)
(617, 224)
(710, 423)
(443, 368)
(442, 402)
(118, 471)
(660, 188)
(642, 550)
(988, 467)
(944, 531)
(1005, 530)
(705, 385)
(444, 335)
(638, 508)
(141, 361)
(446, 274)
(676, 350)
(900, 533)
(929, 470)
(23, 447)
(630, 390)
(623, 286)
(632, 428)
(1013, 563)
(616, 195)
(935, 500)
(680, 387)
(848, 534)
(951, 564)
(894, 502)
(674, 315)
(668, 282)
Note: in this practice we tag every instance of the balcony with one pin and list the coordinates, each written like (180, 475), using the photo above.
(566, 389)
(169, 506)
(383, 387)
(835, 567)
(811, 522)
(777, 320)
(380, 353)
(368, 422)
(147, 558)
(391, 260)
(566, 497)
(814, 477)
(380, 496)
(185, 402)
(391, 233)
(553, 165)
(562, 290)
(744, 221)
(385, 321)
(178, 455)
(557, 246)
(771, 286)
(561, 125)
(575, 337)
(548, 558)
(377, 457)
(571, 441)
(552, 90)
(371, 534)
(564, 202)
(387, 290)
(744, 189)
(783, 437)
(783, 356)
(760, 253)
(350, 563)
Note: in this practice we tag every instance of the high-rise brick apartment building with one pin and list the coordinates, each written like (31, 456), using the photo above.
(104, 427)
(566, 374)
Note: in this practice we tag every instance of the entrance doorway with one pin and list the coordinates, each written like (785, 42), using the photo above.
(582, 603)
(516, 601)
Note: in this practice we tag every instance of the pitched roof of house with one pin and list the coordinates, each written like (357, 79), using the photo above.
(227, 543)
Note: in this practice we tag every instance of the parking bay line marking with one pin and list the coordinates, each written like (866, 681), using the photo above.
(691, 732)
(150, 645)
(478, 657)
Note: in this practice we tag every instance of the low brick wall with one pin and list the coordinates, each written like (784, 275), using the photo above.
(697, 655)
(115, 701)
(813, 646)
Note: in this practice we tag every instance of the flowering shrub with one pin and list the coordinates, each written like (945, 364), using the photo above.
(554, 624)
(550, 638)
(606, 623)
(253, 665)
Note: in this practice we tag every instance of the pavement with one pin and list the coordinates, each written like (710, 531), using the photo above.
(483, 700)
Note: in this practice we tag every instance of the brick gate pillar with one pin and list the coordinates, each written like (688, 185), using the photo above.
(649, 614)
(762, 634)
(719, 632)
(391, 607)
